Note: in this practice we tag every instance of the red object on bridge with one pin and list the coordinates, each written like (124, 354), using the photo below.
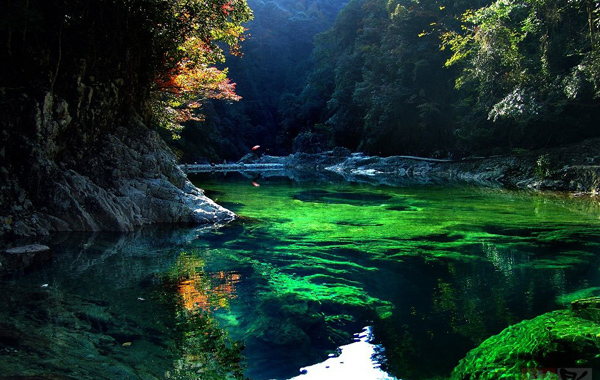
(255, 148)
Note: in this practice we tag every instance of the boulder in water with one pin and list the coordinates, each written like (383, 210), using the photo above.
(23, 257)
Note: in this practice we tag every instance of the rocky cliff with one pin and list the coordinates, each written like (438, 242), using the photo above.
(58, 173)
(80, 81)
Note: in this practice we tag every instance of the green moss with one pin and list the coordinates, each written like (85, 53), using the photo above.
(307, 289)
(556, 339)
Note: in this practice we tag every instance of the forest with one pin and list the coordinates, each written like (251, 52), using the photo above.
(385, 77)
(430, 78)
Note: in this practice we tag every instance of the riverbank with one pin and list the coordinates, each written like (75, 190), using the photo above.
(56, 177)
(574, 168)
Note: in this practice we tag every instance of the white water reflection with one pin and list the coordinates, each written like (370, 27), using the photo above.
(356, 361)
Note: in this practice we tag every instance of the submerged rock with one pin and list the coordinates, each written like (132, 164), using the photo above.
(559, 339)
(588, 308)
(23, 257)
(27, 249)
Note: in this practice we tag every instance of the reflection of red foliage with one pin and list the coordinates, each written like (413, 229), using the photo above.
(196, 295)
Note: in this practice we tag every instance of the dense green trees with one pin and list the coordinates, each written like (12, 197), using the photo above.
(452, 77)
(531, 67)
(428, 77)
(386, 94)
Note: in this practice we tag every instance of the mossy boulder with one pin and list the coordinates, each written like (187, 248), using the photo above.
(588, 308)
(563, 338)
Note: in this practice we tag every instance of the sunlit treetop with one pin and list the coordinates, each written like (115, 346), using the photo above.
(200, 30)
(529, 57)
(193, 34)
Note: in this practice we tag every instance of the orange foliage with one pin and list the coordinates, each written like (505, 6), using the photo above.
(189, 76)
(205, 83)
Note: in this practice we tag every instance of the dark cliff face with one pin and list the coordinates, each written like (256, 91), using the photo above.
(75, 150)
(56, 177)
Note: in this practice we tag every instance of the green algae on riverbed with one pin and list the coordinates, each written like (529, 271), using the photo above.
(491, 251)
(304, 268)
(429, 222)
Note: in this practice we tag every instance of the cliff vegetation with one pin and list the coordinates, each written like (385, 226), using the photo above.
(80, 83)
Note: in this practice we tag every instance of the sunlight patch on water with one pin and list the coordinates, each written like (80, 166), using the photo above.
(356, 361)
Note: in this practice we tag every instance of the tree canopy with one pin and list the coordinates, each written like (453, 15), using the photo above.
(531, 66)
(427, 77)
(448, 78)
(142, 46)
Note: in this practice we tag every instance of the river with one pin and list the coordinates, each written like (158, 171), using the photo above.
(314, 281)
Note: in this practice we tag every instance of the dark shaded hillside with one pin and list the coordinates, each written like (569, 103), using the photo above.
(277, 58)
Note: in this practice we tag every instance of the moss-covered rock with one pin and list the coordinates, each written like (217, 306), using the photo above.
(562, 338)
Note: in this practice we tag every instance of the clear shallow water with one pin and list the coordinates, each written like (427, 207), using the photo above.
(433, 271)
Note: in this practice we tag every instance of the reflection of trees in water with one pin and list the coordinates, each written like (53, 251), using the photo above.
(205, 349)
(201, 291)
(481, 299)
(133, 288)
(460, 304)
(504, 260)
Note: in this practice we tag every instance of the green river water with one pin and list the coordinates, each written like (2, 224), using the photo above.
(426, 273)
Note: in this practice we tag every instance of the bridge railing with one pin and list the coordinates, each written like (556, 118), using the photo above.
(235, 167)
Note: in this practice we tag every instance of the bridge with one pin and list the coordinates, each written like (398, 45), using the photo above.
(235, 167)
